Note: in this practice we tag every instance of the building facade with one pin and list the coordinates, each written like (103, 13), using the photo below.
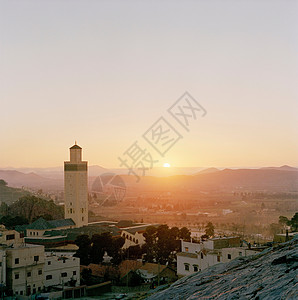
(25, 268)
(196, 257)
(76, 187)
(61, 271)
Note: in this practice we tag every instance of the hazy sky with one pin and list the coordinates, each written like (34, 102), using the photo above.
(102, 72)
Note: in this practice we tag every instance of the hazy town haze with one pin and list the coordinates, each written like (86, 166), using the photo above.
(102, 72)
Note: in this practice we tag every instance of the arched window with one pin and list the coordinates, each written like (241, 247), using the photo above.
(186, 267)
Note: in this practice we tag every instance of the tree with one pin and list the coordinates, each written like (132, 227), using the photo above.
(150, 240)
(162, 243)
(30, 207)
(209, 229)
(114, 250)
(163, 249)
(84, 252)
(3, 182)
(99, 246)
(294, 222)
(283, 221)
(10, 222)
(133, 252)
(86, 275)
(184, 234)
(4, 209)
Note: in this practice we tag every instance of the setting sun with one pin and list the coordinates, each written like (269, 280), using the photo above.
(166, 165)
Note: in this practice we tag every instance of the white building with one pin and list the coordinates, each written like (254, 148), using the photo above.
(61, 271)
(25, 267)
(76, 187)
(134, 235)
(10, 237)
(196, 257)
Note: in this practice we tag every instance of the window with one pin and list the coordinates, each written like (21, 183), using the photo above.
(195, 268)
(21, 292)
(36, 258)
(10, 237)
(49, 263)
(82, 218)
(229, 256)
(74, 273)
(186, 249)
(16, 275)
(64, 274)
(202, 255)
(240, 253)
(48, 277)
(16, 261)
(28, 274)
(64, 261)
(137, 241)
(39, 288)
(39, 272)
(0, 263)
(218, 258)
(186, 267)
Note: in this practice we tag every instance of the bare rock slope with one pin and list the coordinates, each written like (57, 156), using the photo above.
(272, 274)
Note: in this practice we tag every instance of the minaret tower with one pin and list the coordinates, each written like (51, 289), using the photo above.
(76, 187)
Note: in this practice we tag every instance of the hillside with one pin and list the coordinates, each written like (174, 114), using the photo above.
(10, 195)
(225, 180)
(281, 179)
(270, 275)
(19, 179)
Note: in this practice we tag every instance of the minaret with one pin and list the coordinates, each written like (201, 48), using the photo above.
(76, 187)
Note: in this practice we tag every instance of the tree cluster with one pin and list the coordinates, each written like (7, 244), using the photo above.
(162, 243)
(92, 250)
(293, 223)
(31, 208)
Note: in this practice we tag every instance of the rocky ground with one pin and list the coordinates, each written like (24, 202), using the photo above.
(271, 275)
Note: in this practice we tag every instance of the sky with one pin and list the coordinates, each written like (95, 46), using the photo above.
(103, 72)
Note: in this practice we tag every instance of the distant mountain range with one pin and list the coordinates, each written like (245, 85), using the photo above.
(284, 178)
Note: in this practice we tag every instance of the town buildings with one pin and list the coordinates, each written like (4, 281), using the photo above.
(26, 269)
(197, 256)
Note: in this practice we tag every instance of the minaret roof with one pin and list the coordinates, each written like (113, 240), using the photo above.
(75, 147)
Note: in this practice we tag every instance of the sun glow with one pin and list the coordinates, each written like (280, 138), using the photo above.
(166, 165)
